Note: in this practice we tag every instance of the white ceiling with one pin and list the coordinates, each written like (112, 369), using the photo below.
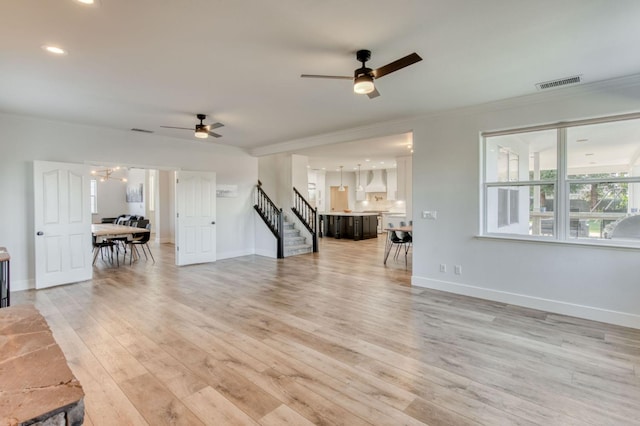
(149, 63)
(376, 153)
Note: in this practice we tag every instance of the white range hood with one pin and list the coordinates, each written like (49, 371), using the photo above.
(377, 183)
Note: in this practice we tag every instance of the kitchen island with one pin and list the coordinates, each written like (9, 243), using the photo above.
(353, 226)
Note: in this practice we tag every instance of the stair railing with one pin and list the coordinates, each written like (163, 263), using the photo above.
(272, 217)
(307, 214)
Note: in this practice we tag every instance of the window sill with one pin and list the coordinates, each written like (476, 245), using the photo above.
(623, 244)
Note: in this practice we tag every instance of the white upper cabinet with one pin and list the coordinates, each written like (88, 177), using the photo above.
(392, 184)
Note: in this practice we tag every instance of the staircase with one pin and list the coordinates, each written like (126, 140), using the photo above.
(294, 244)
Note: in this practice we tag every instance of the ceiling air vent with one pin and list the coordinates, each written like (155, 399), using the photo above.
(141, 130)
(559, 82)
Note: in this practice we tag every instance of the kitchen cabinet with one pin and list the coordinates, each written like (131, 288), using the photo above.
(392, 184)
(353, 226)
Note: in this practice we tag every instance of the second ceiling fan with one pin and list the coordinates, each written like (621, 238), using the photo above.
(363, 77)
(202, 130)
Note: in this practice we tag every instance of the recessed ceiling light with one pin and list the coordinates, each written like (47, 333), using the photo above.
(373, 167)
(324, 168)
(89, 2)
(54, 50)
(366, 159)
(382, 162)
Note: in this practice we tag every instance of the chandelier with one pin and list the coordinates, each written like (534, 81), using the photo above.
(105, 174)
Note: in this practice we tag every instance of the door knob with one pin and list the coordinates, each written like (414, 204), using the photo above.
(213, 223)
(40, 233)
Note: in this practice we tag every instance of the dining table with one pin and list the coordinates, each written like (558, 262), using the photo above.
(112, 230)
(389, 243)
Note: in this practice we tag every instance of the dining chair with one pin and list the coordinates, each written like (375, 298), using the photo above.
(123, 220)
(100, 246)
(142, 240)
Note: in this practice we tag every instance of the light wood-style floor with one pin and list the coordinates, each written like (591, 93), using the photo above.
(333, 338)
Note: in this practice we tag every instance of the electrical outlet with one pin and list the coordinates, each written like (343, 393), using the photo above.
(443, 267)
(458, 269)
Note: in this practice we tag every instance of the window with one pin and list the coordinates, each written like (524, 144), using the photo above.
(152, 190)
(93, 195)
(572, 181)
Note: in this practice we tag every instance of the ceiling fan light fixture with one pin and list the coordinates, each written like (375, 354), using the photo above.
(363, 84)
(201, 132)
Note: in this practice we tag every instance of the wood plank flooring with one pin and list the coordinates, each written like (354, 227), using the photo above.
(333, 338)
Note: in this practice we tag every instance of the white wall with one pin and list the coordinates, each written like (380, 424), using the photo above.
(165, 218)
(300, 174)
(136, 177)
(275, 173)
(111, 199)
(25, 139)
(593, 282)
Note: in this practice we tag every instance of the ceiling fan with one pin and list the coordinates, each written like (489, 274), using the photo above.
(363, 77)
(202, 130)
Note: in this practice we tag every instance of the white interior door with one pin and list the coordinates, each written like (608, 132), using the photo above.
(195, 217)
(62, 223)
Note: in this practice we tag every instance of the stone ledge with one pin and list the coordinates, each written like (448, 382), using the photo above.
(36, 384)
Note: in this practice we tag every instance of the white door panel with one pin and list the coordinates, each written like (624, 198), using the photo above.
(62, 220)
(196, 216)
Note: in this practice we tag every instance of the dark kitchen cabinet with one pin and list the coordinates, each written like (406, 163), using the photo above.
(353, 227)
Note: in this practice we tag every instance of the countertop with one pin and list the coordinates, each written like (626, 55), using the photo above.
(348, 214)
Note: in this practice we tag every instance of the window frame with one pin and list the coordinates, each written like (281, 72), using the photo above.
(562, 184)
(93, 196)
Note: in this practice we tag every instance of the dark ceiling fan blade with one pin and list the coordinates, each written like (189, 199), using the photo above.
(396, 65)
(335, 77)
(215, 135)
(373, 94)
(214, 125)
(183, 128)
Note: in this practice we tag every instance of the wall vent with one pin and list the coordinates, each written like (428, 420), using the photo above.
(141, 130)
(559, 82)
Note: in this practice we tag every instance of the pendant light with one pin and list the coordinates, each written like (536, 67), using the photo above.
(341, 189)
(360, 188)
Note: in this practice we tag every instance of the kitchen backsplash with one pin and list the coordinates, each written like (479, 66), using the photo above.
(382, 205)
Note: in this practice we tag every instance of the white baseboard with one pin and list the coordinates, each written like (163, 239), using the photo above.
(231, 254)
(21, 285)
(267, 253)
(555, 306)
(161, 240)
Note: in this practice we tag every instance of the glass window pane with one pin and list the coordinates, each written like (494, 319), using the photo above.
(603, 150)
(596, 207)
(521, 156)
(93, 185)
(512, 210)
